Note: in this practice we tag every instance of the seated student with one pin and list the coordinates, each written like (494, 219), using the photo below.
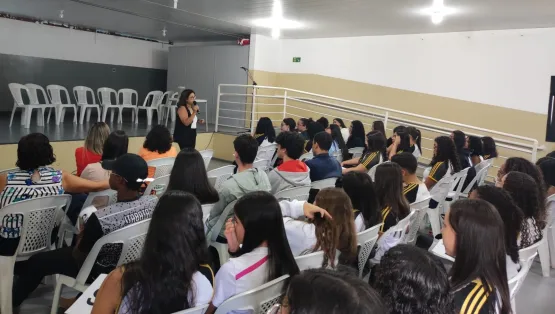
(128, 175)
(34, 178)
(91, 152)
(461, 145)
(322, 233)
(115, 145)
(396, 130)
(489, 150)
(401, 143)
(302, 125)
(415, 141)
(475, 148)
(445, 161)
(326, 291)
(547, 167)
(344, 130)
(324, 122)
(256, 235)
(512, 217)
(360, 189)
(473, 234)
(524, 192)
(411, 280)
(338, 146)
(371, 156)
(414, 189)
(356, 135)
(292, 172)
(265, 134)
(190, 164)
(313, 128)
(288, 125)
(179, 273)
(379, 126)
(246, 180)
(157, 144)
(520, 164)
(323, 166)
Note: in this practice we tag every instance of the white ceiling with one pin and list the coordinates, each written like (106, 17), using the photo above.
(199, 20)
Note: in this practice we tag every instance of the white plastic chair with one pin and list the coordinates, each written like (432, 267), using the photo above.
(372, 171)
(105, 99)
(457, 185)
(206, 209)
(158, 186)
(212, 236)
(258, 300)
(110, 195)
(393, 236)
(127, 101)
(322, 184)
(154, 97)
(300, 193)
(356, 151)
(419, 213)
(165, 104)
(197, 310)
(207, 155)
(261, 164)
(132, 237)
(307, 156)
(17, 93)
(267, 152)
(543, 252)
(526, 257)
(80, 93)
(171, 106)
(34, 89)
(439, 194)
(55, 94)
(39, 219)
(220, 174)
(163, 166)
(366, 240)
(310, 261)
(484, 164)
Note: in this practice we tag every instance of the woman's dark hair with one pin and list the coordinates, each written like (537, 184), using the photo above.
(189, 175)
(33, 151)
(511, 214)
(116, 145)
(324, 122)
(459, 138)
(340, 121)
(184, 96)
(325, 291)
(547, 168)
(488, 147)
(446, 152)
(338, 234)
(312, 128)
(524, 192)
(291, 123)
(161, 281)
(357, 131)
(480, 250)
(475, 146)
(338, 138)
(360, 189)
(376, 143)
(411, 280)
(265, 129)
(159, 139)
(306, 121)
(260, 214)
(404, 144)
(416, 136)
(389, 188)
(520, 164)
(378, 126)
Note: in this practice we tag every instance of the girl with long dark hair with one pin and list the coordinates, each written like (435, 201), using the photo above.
(115, 145)
(265, 132)
(520, 164)
(257, 236)
(389, 189)
(390, 141)
(185, 132)
(302, 125)
(338, 145)
(415, 138)
(172, 273)
(461, 145)
(379, 126)
(189, 175)
(344, 130)
(313, 128)
(474, 235)
(489, 149)
(475, 147)
(288, 125)
(401, 144)
(360, 189)
(445, 161)
(356, 137)
(372, 155)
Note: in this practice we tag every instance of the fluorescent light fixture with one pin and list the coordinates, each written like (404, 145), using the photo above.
(275, 33)
(276, 22)
(438, 11)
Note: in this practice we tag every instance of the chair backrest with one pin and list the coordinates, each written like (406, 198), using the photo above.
(39, 219)
(207, 155)
(310, 261)
(266, 152)
(17, 94)
(33, 94)
(322, 184)
(105, 96)
(487, 164)
(55, 94)
(163, 166)
(338, 156)
(372, 171)
(458, 182)
(197, 310)
(400, 230)
(307, 156)
(107, 197)
(220, 174)
(127, 97)
(158, 186)
(258, 300)
(153, 96)
(356, 151)
(366, 240)
(212, 236)
(132, 237)
(80, 93)
(165, 99)
(526, 257)
(261, 164)
(441, 189)
(298, 193)
(206, 209)
(419, 213)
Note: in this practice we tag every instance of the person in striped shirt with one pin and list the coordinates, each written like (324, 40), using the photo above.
(372, 156)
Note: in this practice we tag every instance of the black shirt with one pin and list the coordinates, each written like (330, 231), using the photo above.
(411, 192)
(370, 159)
(474, 299)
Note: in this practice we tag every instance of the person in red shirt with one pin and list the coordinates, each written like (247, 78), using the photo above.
(91, 152)
(292, 172)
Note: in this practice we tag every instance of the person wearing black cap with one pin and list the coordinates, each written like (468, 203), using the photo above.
(128, 174)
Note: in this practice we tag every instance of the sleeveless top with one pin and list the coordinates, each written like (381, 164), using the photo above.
(181, 130)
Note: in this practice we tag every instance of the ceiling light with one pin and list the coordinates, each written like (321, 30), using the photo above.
(438, 11)
(164, 31)
(175, 4)
(61, 14)
(275, 33)
(276, 22)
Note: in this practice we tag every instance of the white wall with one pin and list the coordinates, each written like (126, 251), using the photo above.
(509, 68)
(35, 40)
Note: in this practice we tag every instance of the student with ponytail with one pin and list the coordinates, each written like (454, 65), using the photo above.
(415, 140)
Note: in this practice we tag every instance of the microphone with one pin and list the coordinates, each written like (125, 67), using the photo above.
(249, 75)
(244, 69)
(194, 104)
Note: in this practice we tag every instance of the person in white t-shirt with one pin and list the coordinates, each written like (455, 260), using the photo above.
(414, 190)
(255, 235)
(360, 189)
(172, 273)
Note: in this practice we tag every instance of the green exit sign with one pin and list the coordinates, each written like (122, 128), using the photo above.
(296, 59)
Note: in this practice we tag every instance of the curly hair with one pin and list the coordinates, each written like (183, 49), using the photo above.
(34, 151)
(159, 139)
(446, 151)
(339, 233)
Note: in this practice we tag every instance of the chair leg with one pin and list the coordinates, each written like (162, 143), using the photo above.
(82, 115)
(513, 305)
(148, 117)
(28, 115)
(104, 112)
(543, 252)
(57, 114)
(13, 112)
(6, 284)
(112, 115)
(433, 215)
(88, 110)
(48, 117)
(75, 114)
(98, 113)
(551, 242)
(56, 298)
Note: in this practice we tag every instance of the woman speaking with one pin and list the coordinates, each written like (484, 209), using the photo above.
(185, 133)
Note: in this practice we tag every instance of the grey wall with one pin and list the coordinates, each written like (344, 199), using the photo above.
(42, 71)
(203, 68)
